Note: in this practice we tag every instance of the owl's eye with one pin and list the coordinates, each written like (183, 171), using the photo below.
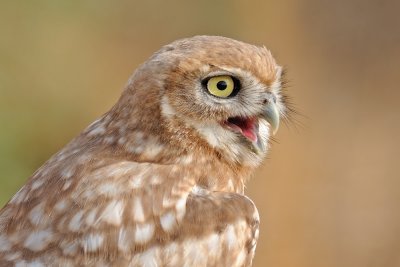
(222, 86)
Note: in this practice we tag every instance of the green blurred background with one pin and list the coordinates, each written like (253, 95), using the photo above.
(329, 193)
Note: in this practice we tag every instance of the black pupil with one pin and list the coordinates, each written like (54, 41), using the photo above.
(221, 85)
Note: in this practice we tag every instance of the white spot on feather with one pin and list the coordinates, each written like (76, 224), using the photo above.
(186, 159)
(113, 213)
(76, 222)
(20, 264)
(123, 240)
(4, 243)
(61, 205)
(35, 263)
(153, 149)
(166, 108)
(180, 207)
(230, 235)
(136, 181)
(144, 232)
(168, 221)
(109, 139)
(66, 185)
(37, 183)
(139, 137)
(36, 215)
(13, 256)
(155, 180)
(97, 130)
(230, 185)
(92, 242)
(39, 240)
(135, 149)
(214, 242)
(138, 213)
(68, 172)
(122, 140)
(91, 216)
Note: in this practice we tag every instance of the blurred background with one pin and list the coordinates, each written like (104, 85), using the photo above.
(329, 192)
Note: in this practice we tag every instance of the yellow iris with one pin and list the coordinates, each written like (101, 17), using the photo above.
(221, 86)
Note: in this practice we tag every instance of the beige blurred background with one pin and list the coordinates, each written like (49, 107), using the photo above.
(329, 193)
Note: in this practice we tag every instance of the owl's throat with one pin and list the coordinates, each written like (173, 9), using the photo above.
(248, 127)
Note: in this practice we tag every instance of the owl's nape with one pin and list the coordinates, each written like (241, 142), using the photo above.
(159, 179)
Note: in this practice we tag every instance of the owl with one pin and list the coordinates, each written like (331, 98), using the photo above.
(159, 179)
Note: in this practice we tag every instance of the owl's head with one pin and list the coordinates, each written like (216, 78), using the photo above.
(222, 91)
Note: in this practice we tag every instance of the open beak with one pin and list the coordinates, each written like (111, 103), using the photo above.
(249, 127)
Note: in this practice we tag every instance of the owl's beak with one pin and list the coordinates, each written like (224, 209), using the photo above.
(271, 114)
(249, 126)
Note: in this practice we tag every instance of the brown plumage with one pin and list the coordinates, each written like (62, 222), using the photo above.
(159, 179)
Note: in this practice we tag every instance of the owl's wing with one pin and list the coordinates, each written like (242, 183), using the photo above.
(219, 229)
(126, 214)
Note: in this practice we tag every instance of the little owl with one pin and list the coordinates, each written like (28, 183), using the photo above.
(159, 179)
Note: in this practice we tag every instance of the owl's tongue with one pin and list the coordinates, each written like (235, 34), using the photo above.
(246, 126)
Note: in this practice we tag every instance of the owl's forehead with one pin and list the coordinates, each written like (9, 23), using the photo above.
(200, 52)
